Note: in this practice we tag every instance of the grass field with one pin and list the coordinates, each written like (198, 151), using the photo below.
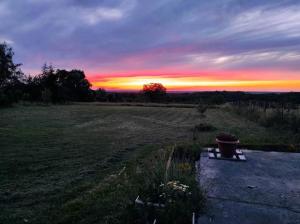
(51, 155)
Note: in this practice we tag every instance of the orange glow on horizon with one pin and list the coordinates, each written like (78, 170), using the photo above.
(196, 83)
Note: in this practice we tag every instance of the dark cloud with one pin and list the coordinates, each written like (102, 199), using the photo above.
(136, 34)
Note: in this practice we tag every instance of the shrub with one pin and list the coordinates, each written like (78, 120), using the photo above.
(275, 115)
(46, 96)
(4, 100)
(295, 123)
(203, 127)
(173, 186)
(217, 100)
(202, 108)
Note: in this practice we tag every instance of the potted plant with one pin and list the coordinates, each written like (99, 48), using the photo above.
(227, 144)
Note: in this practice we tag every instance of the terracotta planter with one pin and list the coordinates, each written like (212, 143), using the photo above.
(227, 146)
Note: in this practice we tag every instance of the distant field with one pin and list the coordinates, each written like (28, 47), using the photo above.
(53, 154)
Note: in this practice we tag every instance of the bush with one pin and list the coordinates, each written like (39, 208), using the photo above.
(295, 123)
(4, 99)
(217, 100)
(203, 127)
(9, 97)
(174, 186)
(46, 96)
(187, 152)
(277, 115)
(202, 108)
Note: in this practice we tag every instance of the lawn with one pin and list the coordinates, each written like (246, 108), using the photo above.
(51, 155)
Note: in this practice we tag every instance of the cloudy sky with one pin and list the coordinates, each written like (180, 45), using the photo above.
(185, 44)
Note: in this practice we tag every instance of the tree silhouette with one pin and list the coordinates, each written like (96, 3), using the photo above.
(58, 86)
(10, 76)
(154, 92)
(101, 94)
(74, 85)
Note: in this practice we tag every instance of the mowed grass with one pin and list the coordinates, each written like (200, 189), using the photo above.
(51, 155)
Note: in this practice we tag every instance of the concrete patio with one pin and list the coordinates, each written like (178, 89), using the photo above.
(264, 189)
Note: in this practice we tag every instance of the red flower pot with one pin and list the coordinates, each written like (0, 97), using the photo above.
(227, 145)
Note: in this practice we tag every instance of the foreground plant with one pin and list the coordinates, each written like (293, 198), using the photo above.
(175, 198)
(171, 200)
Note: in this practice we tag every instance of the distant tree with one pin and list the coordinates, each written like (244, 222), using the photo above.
(101, 94)
(10, 76)
(154, 92)
(74, 85)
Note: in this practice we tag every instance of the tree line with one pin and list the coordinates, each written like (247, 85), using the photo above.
(60, 86)
(50, 85)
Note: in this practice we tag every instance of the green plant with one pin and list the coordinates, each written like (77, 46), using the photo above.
(204, 127)
(277, 115)
(179, 194)
(202, 108)
(187, 153)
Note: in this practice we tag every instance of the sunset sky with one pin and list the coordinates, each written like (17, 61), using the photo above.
(187, 45)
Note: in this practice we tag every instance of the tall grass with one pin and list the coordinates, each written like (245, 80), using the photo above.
(283, 116)
(113, 200)
(171, 182)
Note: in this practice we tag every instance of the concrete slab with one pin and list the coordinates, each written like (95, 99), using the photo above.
(265, 189)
